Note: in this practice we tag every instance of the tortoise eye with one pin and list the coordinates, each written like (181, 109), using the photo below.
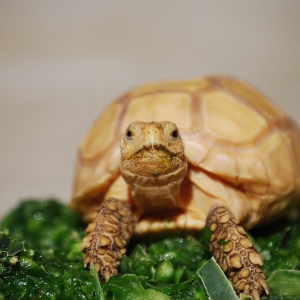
(175, 134)
(129, 135)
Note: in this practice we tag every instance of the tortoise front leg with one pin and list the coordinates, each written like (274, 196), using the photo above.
(107, 237)
(235, 254)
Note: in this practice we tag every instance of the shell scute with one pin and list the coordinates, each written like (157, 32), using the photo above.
(151, 107)
(221, 161)
(228, 120)
(187, 86)
(100, 137)
(253, 96)
(246, 149)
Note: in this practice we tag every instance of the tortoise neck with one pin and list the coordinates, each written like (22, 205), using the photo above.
(155, 194)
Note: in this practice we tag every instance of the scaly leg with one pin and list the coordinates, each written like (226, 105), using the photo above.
(235, 254)
(107, 237)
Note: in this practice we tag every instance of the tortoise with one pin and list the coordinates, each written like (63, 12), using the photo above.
(179, 155)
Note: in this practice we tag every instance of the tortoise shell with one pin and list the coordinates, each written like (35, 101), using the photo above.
(241, 149)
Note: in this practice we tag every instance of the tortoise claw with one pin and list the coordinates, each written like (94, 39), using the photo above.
(235, 254)
(255, 294)
(263, 283)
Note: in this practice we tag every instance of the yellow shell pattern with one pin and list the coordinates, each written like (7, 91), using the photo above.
(243, 151)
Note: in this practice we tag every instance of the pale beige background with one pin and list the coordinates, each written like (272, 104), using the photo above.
(61, 62)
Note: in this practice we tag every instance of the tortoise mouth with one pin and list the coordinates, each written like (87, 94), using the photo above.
(153, 148)
(153, 160)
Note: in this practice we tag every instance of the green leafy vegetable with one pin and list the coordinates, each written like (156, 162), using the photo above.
(129, 287)
(216, 284)
(99, 295)
(40, 258)
(285, 282)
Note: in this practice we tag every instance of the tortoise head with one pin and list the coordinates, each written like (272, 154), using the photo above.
(152, 149)
(153, 165)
